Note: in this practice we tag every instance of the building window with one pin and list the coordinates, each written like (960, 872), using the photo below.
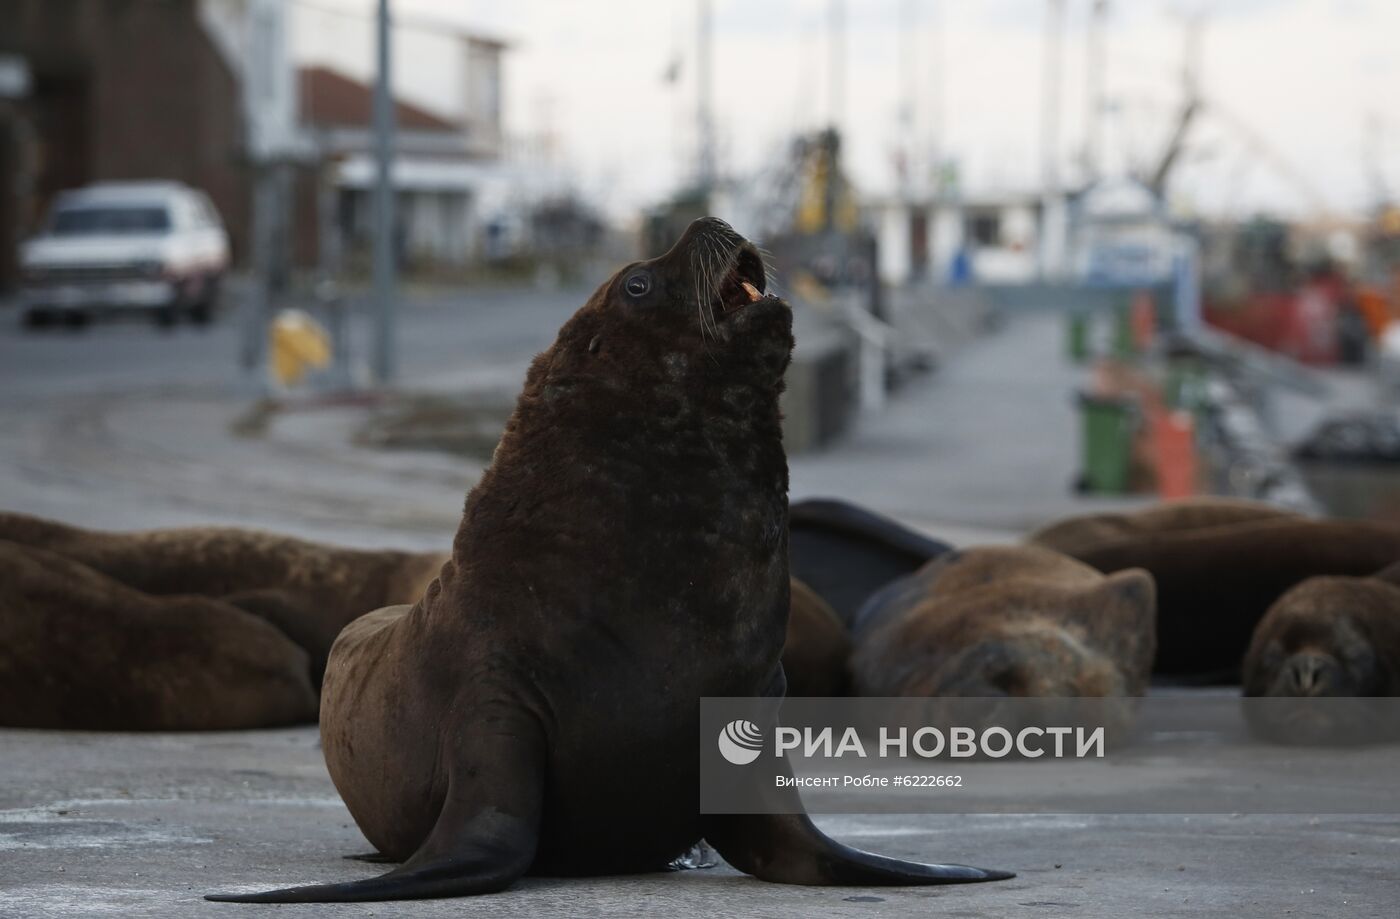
(984, 229)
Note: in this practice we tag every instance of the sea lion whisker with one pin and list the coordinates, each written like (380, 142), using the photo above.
(709, 253)
(696, 266)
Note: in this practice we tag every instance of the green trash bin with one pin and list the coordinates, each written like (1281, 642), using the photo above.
(1077, 337)
(1108, 426)
(1123, 344)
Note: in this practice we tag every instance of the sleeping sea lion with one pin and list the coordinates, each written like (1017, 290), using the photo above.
(1325, 639)
(1075, 535)
(1329, 636)
(307, 590)
(81, 651)
(1215, 583)
(1007, 621)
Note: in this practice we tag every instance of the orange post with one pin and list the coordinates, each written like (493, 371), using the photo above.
(1174, 439)
(1144, 321)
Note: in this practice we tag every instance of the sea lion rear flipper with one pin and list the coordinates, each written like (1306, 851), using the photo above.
(845, 553)
(483, 841)
(789, 849)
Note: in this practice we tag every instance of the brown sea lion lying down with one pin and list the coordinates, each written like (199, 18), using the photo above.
(306, 591)
(80, 650)
(1076, 535)
(1329, 636)
(1215, 582)
(1326, 638)
(1007, 621)
(818, 647)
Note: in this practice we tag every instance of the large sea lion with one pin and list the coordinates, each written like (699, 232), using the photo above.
(1214, 583)
(624, 555)
(307, 590)
(1007, 621)
(818, 647)
(845, 552)
(1075, 535)
(82, 651)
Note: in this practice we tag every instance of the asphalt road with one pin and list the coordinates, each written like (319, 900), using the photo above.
(986, 447)
(438, 331)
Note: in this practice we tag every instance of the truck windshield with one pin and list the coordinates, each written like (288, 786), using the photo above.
(92, 221)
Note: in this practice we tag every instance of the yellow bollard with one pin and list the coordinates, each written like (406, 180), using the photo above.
(299, 343)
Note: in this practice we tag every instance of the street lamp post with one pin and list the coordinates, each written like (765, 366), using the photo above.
(385, 343)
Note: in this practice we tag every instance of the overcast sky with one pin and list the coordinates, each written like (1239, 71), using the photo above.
(1303, 96)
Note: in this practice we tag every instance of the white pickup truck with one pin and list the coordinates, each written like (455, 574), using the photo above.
(155, 247)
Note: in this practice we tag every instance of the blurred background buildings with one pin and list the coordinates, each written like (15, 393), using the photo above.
(1160, 241)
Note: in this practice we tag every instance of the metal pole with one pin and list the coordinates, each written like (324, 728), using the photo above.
(385, 343)
(909, 106)
(705, 125)
(1094, 80)
(1050, 99)
(1050, 139)
(935, 106)
(257, 306)
(262, 146)
(836, 75)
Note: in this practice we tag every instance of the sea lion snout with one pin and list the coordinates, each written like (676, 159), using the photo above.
(715, 269)
(708, 293)
(1310, 674)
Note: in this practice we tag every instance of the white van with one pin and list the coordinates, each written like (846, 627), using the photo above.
(156, 247)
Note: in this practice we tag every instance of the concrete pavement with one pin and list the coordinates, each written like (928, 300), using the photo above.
(143, 825)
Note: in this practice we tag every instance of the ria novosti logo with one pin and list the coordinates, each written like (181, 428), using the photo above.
(740, 742)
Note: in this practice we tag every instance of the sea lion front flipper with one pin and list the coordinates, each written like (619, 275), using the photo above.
(373, 858)
(484, 839)
(789, 849)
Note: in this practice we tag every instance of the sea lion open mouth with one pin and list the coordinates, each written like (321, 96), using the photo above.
(745, 282)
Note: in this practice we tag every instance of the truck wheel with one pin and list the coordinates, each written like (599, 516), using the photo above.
(165, 317)
(37, 319)
(75, 319)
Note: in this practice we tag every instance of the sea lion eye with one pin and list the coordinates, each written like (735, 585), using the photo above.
(638, 285)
